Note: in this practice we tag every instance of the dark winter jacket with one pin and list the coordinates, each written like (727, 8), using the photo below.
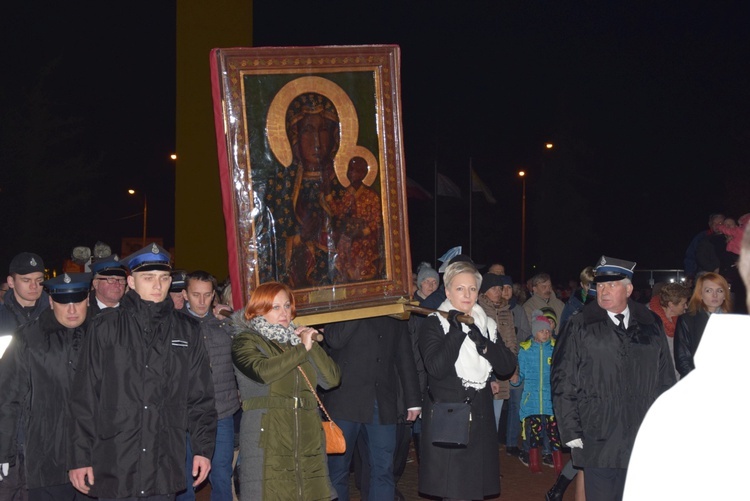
(687, 337)
(574, 306)
(144, 379)
(38, 372)
(217, 337)
(604, 381)
(94, 308)
(459, 473)
(13, 315)
(375, 356)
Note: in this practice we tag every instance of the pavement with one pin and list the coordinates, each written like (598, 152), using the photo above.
(517, 483)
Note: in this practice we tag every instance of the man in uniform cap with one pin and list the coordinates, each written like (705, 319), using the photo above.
(611, 362)
(159, 353)
(28, 300)
(108, 284)
(25, 301)
(179, 278)
(41, 360)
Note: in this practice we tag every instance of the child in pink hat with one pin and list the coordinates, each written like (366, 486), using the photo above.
(733, 231)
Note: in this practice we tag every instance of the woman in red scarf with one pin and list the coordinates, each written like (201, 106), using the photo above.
(669, 303)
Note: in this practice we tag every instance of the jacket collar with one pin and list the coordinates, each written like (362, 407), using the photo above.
(593, 313)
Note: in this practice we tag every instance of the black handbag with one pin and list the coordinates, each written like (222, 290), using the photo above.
(450, 423)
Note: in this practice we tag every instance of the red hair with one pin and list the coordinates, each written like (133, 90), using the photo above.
(261, 299)
(696, 301)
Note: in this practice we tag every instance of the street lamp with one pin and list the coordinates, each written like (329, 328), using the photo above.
(522, 175)
(145, 214)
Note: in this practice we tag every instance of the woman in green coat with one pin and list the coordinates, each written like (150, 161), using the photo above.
(281, 437)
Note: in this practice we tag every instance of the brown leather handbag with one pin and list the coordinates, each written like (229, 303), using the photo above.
(335, 441)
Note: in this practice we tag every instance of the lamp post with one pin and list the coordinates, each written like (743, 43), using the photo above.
(145, 215)
(522, 175)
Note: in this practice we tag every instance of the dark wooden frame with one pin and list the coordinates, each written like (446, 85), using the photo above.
(245, 82)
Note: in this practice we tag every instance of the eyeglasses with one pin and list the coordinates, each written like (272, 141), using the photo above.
(113, 280)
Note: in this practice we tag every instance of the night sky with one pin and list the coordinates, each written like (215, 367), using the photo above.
(647, 106)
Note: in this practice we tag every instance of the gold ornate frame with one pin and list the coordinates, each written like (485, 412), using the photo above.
(252, 89)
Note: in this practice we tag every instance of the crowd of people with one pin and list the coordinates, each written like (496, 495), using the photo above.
(131, 379)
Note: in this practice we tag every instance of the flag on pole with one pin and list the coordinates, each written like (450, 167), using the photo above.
(446, 258)
(414, 190)
(478, 185)
(446, 187)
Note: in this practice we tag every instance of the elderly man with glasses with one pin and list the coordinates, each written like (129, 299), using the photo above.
(108, 285)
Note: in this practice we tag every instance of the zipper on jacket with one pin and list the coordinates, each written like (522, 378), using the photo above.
(541, 378)
(297, 431)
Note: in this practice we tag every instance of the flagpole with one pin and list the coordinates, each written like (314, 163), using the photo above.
(471, 198)
(434, 241)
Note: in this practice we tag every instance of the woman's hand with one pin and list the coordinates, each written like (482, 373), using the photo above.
(306, 335)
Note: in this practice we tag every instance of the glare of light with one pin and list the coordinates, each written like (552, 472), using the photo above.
(671, 280)
(549, 146)
(521, 173)
(4, 342)
(173, 156)
(131, 192)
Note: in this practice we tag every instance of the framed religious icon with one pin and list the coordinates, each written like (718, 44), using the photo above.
(312, 173)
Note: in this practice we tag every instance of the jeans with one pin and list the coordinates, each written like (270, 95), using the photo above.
(380, 441)
(220, 475)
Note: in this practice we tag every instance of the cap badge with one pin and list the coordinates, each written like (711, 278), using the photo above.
(66, 279)
(154, 249)
(32, 262)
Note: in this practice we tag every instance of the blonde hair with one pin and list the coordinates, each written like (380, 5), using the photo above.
(461, 267)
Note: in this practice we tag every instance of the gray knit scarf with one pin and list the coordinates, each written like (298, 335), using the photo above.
(275, 332)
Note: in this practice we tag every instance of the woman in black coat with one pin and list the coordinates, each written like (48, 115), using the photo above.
(458, 361)
(711, 295)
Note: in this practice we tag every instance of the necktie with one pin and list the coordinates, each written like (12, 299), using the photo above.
(621, 318)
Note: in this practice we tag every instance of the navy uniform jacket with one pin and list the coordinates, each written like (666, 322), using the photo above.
(604, 381)
(144, 380)
(38, 372)
(12, 315)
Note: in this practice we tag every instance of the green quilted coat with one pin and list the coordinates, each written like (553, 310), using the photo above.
(281, 437)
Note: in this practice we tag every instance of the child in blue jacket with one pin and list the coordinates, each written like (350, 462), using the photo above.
(534, 361)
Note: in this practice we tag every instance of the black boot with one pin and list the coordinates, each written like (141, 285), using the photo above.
(557, 490)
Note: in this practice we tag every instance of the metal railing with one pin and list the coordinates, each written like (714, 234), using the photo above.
(677, 275)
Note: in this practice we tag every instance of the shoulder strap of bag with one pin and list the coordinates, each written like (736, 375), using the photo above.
(322, 407)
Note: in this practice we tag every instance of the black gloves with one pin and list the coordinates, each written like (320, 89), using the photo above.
(453, 321)
(479, 340)
(474, 333)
